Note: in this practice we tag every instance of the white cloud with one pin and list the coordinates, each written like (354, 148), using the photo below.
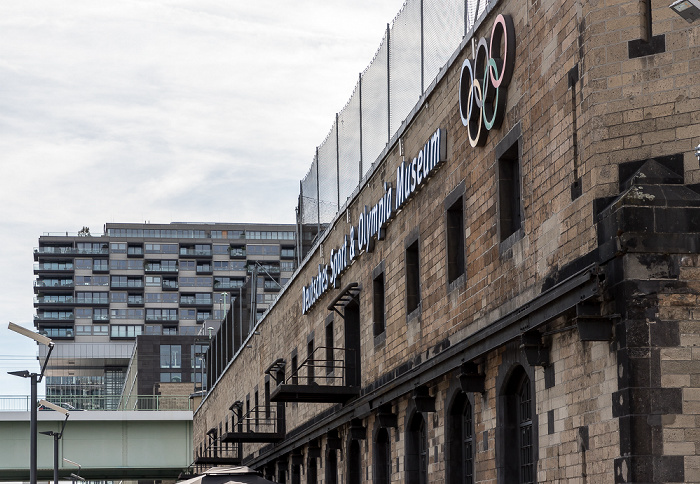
(162, 111)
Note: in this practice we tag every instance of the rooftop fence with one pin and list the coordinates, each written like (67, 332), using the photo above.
(417, 45)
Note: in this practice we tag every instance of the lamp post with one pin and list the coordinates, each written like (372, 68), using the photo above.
(56, 435)
(34, 379)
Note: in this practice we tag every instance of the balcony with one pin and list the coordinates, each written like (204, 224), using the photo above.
(191, 301)
(196, 253)
(151, 267)
(134, 251)
(54, 316)
(320, 378)
(134, 300)
(46, 252)
(205, 269)
(57, 300)
(262, 424)
(53, 285)
(170, 285)
(60, 267)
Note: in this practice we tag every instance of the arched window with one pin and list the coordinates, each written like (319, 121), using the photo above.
(354, 463)
(517, 438)
(461, 441)
(331, 467)
(417, 451)
(382, 457)
(525, 441)
(312, 472)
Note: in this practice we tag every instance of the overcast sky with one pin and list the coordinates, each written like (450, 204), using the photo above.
(166, 111)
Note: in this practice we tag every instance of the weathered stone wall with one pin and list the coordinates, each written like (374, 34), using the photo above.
(586, 103)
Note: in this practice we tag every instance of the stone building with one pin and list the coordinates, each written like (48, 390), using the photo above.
(511, 295)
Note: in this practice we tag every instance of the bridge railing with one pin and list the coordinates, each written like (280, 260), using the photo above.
(22, 403)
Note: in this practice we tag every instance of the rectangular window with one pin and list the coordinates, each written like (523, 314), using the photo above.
(170, 356)
(83, 264)
(294, 369)
(100, 265)
(117, 265)
(83, 313)
(454, 233)
(509, 193)
(412, 277)
(118, 297)
(378, 310)
(310, 361)
(153, 281)
(117, 248)
(221, 249)
(188, 265)
(329, 347)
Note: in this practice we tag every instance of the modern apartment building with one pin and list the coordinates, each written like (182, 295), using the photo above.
(96, 294)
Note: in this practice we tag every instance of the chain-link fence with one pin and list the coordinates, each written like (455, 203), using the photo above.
(417, 45)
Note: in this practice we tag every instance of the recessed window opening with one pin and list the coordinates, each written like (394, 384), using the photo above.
(509, 195)
(455, 240)
(378, 309)
(412, 278)
(382, 457)
(417, 451)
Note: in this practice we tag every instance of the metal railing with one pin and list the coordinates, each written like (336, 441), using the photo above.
(415, 49)
(315, 369)
(22, 403)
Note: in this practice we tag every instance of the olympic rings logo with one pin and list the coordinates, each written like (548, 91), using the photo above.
(481, 102)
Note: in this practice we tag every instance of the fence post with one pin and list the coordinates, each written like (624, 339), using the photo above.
(337, 158)
(360, 93)
(388, 84)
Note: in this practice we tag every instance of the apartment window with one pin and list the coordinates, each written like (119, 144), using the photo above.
(412, 276)
(509, 189)
(170, 377)
(83, 264)
(378, 308)
(188, 265)
(170, 356)
(461, 441)
(134, 264)
(83, 313)
(117, 248)
(100, 329)
(188, 314)
(100, 314)
(100, 265)
(134, 250)
(221, 249)
(454, 233)
(117, 265)
(417, 451)
(153, 329)
(287, 266)
(382, 457)
(125, 331)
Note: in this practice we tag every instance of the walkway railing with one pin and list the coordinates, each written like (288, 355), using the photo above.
(22, 403)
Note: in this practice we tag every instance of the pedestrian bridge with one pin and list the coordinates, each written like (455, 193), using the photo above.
(108, 445)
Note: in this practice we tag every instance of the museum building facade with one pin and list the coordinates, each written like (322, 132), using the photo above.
(511, 295)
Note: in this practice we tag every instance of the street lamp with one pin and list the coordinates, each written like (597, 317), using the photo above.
(56, 435)
(35, 379)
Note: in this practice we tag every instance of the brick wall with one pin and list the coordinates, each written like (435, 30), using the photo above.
(589, 115)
